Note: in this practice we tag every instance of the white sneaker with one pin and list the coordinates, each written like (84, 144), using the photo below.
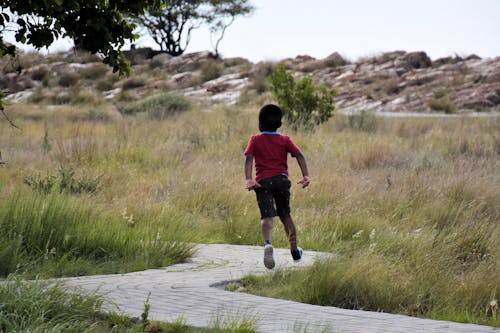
(269, 256)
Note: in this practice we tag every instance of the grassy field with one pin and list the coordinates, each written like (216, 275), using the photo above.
(411, 207)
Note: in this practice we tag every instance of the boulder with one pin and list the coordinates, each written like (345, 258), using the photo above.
(335, 60)
(137, 55)
(417, 60)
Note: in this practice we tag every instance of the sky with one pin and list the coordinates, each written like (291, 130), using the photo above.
(281, 29)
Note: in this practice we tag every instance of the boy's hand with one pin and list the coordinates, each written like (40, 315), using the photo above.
(251, 184)
(305, 181)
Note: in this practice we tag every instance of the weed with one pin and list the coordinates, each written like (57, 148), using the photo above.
(46, 146)
(65, 182)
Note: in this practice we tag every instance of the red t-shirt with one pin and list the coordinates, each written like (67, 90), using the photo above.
(270, 152)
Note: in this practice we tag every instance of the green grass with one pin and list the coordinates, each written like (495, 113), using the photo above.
(158, 106)
(53, 235)
(37, 306)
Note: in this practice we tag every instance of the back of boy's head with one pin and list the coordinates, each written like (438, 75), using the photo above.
(270, 118)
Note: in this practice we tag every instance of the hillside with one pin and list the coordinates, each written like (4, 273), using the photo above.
(394, 81)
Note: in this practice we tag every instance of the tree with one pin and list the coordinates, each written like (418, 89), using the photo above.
(225, 13)
(98, 25)
(170, 25)
(304, 104)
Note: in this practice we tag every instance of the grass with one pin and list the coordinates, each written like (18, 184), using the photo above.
(159, 106)
(37, 306)
(414, 202)
(56, 236)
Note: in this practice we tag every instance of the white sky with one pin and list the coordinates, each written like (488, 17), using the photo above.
(356, 28)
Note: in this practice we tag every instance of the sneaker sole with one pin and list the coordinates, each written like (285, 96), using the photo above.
(269, 257)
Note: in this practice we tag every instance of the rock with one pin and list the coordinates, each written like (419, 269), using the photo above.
(494, 98)
(160, 60)
(188, 61)
(181, 79)
(137, 55)
(389, 57)
(335, 60)
(473, 57)
(418, 60)
(446, 60)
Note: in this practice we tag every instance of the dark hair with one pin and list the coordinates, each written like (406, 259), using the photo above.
(270, 117)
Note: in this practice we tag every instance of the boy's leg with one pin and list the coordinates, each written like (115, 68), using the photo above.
(290, 230)
(267, 228)
(266, 205)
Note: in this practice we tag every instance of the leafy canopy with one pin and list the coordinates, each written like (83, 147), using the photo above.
(99, 26)
(304, 104)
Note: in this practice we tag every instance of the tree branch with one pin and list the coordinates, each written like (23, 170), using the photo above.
(10, 121)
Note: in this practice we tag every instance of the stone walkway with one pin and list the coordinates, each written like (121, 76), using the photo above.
(189, 291)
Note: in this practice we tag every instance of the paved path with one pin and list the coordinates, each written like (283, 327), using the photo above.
(187, 291)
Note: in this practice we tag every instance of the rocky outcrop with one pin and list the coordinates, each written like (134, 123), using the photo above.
(400, 81)
(392, 81)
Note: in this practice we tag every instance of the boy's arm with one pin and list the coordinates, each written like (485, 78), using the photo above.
(301, 160)
(250, 183)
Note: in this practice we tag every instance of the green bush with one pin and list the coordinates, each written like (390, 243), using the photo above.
(304, 104)
(64, 182)
(159, 106)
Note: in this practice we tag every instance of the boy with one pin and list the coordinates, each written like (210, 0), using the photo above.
(272, 187)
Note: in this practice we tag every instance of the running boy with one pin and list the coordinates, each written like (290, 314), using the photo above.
(270, 150)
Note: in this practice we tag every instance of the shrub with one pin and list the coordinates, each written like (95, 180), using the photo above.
(259, 77)
(40, 73)
(303, 103)
(94, 71)
(104, 84)
(68, 79)
(64, 182)
(132, 83)
(211, 69)
(335, 60)
(444, 104)
(159, 106)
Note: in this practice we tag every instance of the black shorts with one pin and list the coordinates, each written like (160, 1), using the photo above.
(273, 197)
